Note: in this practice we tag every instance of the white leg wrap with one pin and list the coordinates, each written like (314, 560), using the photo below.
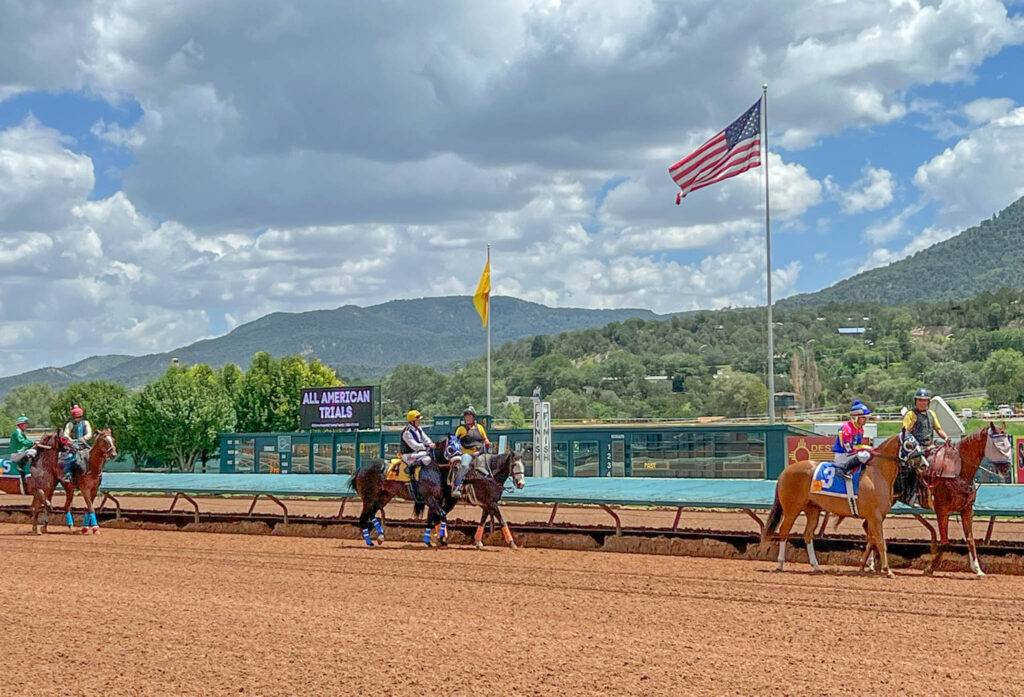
(782, 554)
(812, 557)
(976, 566)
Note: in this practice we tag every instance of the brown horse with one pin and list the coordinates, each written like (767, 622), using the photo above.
(88, 481)
(47, 472)
(956, 494)
(44, 475)
(793, 496)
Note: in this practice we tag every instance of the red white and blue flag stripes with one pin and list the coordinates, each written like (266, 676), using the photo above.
(729, 152)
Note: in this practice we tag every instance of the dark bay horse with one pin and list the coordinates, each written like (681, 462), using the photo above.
(957, 494)
(793, 496)
(376, 490)
(88, 481)
(486, 491)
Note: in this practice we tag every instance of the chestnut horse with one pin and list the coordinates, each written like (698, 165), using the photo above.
(793, 496)
(44, 474)
(88, 482)
(956, 494)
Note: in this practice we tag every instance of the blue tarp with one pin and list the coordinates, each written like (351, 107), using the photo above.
(993, 499)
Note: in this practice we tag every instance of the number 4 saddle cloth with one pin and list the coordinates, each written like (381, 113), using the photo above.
(396, 471)
(829, 481)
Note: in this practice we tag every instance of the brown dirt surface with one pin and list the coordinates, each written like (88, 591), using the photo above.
(171, 613)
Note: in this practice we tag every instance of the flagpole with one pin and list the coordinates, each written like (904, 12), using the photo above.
(768, 261)
(488, 335)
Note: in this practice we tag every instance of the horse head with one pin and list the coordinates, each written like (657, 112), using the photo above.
(452, 448)
(517, 469)
(998, 450)
(105, 445)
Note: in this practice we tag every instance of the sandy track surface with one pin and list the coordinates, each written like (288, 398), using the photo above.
(205, 614)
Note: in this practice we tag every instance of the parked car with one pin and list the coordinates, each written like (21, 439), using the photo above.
(966, 413)
(1005, 410)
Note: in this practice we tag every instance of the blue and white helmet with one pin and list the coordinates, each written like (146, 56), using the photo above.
(859, 409)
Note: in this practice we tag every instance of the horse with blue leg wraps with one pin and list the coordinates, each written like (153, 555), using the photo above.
(47, 472)
(378, 482)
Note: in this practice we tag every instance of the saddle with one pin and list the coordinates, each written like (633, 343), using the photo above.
(944, 463)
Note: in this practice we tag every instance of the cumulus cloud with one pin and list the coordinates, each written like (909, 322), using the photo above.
(872, 191)
(926, 238)
(979, 175)
(296, 156)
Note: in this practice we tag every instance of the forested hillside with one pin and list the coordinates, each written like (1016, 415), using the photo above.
(986, 257)
(715, 362)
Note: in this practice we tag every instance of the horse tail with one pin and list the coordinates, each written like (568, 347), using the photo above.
(418, 507)
(774, 517)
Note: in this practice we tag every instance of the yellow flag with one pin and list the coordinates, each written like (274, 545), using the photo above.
(482, 296)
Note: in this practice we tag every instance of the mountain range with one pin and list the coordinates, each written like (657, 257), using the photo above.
(358, 342)
(368, 342)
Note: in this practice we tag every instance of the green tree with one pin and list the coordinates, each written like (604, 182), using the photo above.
(180, 415)
(1003, 373)
(738, 394)
(269, 394)
(566, 404)
(6, 424)
(106, 404)
(516, 418)
(410, 387)
(34, 401)
(950, 377)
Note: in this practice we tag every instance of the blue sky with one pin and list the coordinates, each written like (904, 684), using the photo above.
(173, 171)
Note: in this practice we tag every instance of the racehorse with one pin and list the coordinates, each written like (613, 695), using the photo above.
(88, 481)
(486, 491)
(376, 490)
(956, 494)
(47, 471)
(44, 474)
(793, 496)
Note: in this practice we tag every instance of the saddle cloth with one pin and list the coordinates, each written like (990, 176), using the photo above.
(396, 472)
(829, 482)
(6, 466)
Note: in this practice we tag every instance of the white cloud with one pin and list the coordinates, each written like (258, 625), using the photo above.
(926, 238)
(984, 110)
(979, 175)
(872, 191)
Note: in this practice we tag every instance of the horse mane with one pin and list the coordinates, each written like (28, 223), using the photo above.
(971, 449)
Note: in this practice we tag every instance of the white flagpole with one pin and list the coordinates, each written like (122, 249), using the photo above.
(768, 261)
(488, 334)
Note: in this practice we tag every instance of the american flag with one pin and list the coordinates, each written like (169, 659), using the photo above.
(728, 153)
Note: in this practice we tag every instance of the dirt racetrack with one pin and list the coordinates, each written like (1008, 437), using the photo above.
(172, 613)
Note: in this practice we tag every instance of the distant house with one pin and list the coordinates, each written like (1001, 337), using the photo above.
(852, 331)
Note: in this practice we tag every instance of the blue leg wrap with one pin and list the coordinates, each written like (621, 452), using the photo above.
(92, 521)
(444, 529)
(377, 526)
(426, 537)
(70, 519)
(366, 537)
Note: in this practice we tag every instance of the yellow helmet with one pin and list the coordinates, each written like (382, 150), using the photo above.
(412, 415)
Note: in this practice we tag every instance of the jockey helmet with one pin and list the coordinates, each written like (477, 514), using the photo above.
(77, 412)
(469, 410)
(923, 393)
(22, 420)
(412, 415)
(859, 409)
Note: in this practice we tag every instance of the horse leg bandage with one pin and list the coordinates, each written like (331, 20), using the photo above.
(507, 533)
(366, 537)
(377, 526)
(69, 519)
(426, 537)
(478, 536)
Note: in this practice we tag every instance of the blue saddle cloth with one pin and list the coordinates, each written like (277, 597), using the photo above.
(827, 480)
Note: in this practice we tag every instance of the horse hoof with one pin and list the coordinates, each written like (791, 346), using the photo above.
(85, 531)
(513, 545)
(95, 530)
(479, 545)
(380, 541)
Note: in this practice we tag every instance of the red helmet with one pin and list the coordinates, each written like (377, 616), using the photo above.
(77, 411)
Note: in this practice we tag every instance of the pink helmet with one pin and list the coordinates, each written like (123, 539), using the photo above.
(77, 411)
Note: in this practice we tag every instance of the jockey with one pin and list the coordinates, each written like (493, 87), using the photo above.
(472, 435)
(415, 445)
(850, 441)
(920, 422)
(79, 431)
(23, 449)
